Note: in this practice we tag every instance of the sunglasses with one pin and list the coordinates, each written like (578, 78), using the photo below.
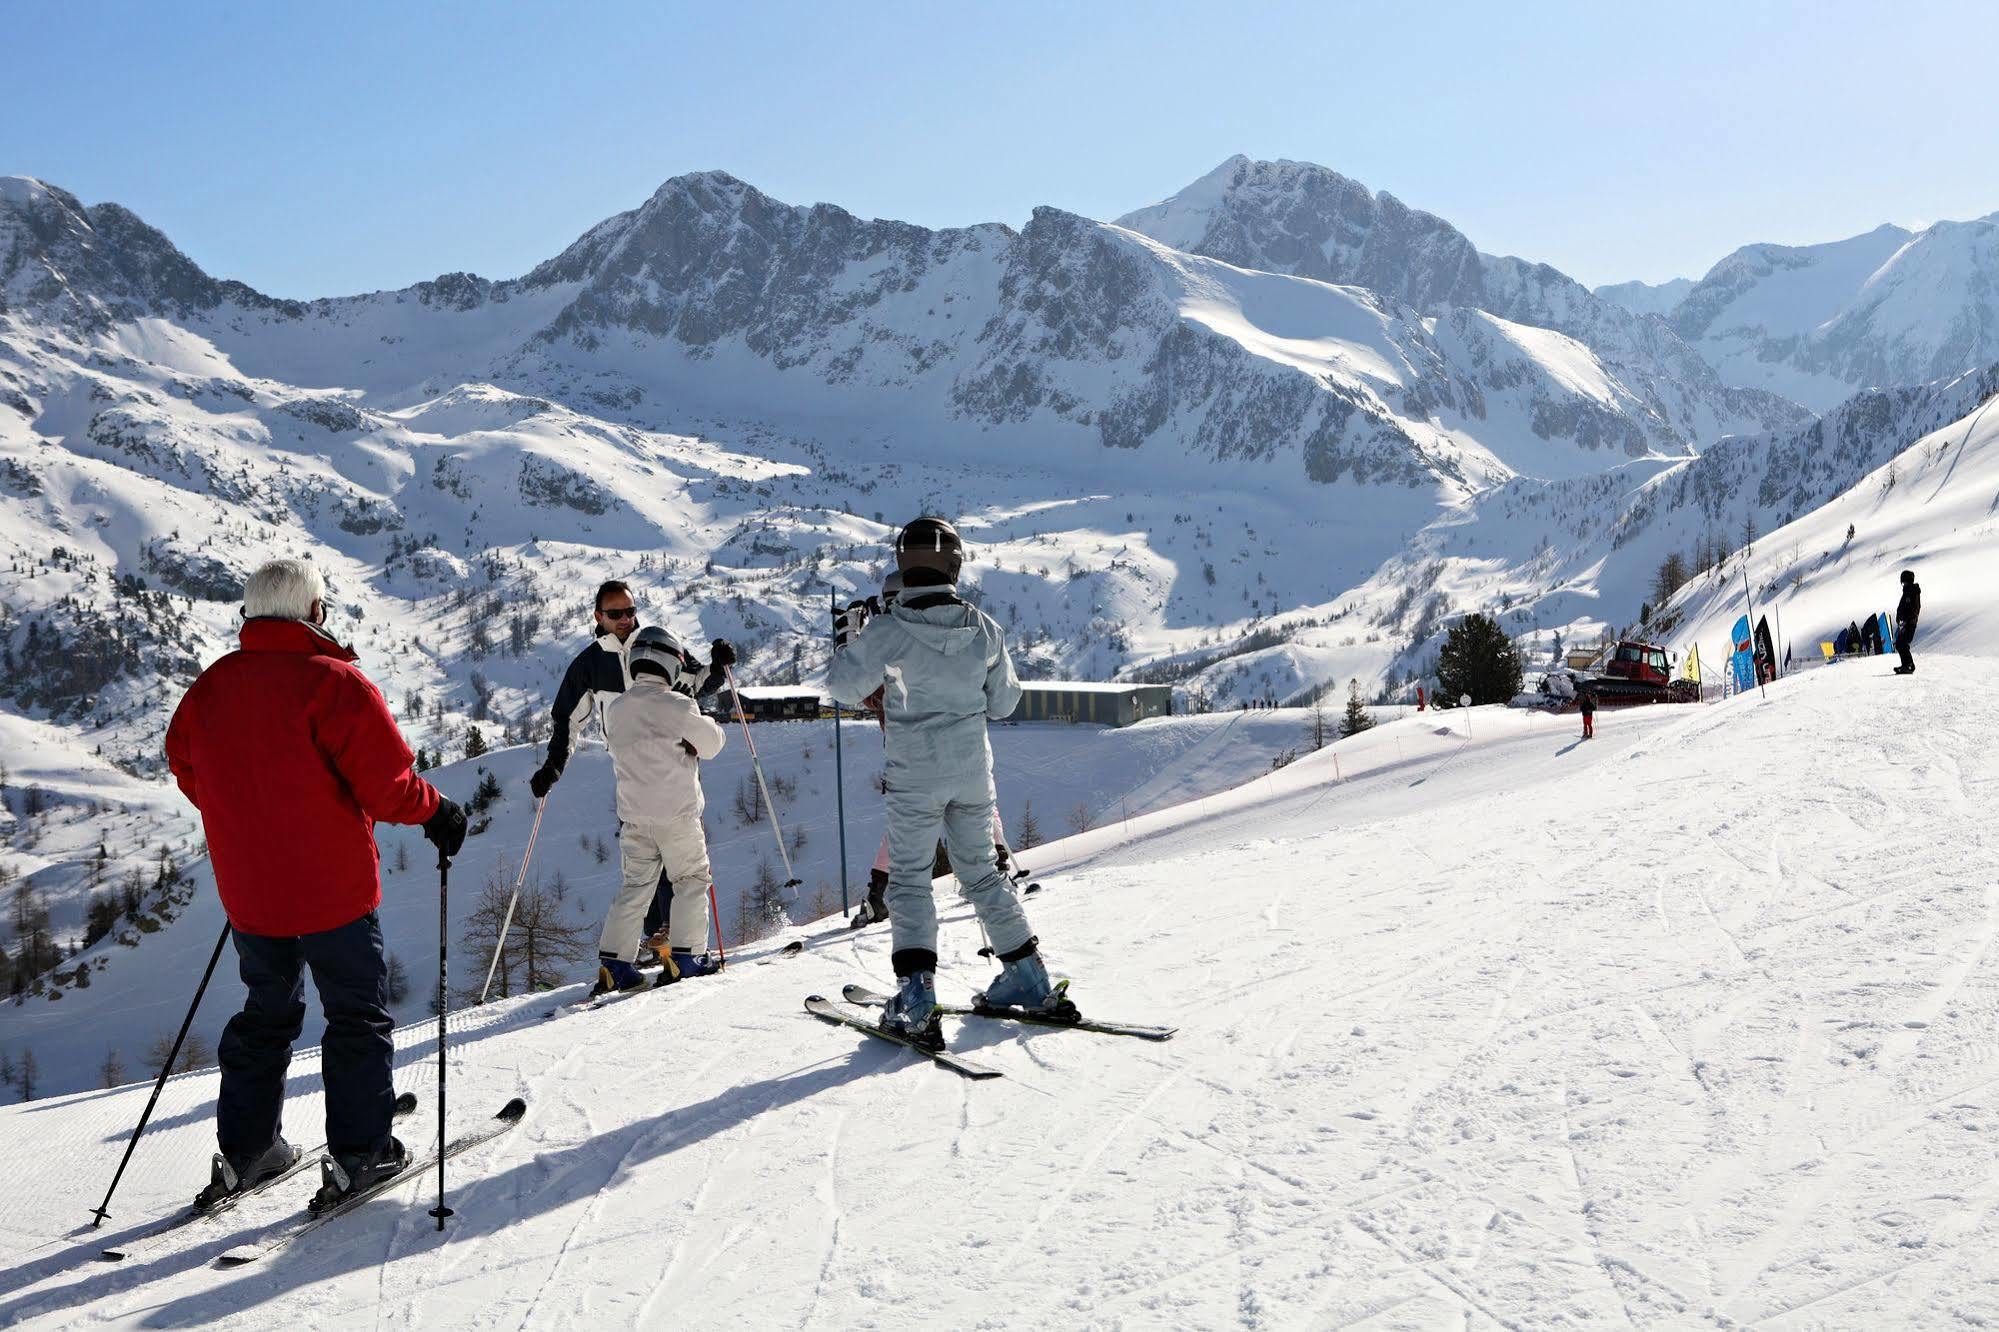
(628, 613)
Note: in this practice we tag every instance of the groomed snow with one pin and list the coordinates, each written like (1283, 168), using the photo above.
(1690, 1025)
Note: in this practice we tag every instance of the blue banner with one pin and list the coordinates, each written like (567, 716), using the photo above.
(1742, 662)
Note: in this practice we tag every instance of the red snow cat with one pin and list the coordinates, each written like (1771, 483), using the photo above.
(1635, 672)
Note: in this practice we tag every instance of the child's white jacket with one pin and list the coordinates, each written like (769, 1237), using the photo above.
(659, 782)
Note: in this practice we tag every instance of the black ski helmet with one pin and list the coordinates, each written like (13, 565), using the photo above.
(655, 651)
(1908, 575)
(930, 543)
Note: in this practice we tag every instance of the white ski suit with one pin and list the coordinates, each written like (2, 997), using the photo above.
(947, 671)
(651, 729)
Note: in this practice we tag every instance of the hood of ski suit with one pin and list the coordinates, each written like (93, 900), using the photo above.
(943, 671)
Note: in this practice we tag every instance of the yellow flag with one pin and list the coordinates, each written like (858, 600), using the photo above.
(1694, 663)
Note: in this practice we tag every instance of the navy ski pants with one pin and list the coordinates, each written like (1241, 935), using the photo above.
(351, 973)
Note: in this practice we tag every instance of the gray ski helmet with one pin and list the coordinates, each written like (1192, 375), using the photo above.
(930, 543)
(891, 587)
(656, 652)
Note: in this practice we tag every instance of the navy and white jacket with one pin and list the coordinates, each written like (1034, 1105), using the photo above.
(600, 673)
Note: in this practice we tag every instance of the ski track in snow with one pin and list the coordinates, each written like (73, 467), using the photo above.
(1694, 1026)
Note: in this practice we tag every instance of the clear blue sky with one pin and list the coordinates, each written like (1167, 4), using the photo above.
(320, 149)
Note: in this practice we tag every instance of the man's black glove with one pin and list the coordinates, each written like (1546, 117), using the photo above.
(721, 654)
(849, 622)
(543, 780)
(446, 828)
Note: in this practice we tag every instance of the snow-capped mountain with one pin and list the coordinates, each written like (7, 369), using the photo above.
(169, 426)
(1250, 484)
(1300, 218)
(733, 402)
(1654, 298)
(1816, 322)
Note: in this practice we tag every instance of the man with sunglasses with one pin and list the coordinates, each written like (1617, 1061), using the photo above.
(600, 673)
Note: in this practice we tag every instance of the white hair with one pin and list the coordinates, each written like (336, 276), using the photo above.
(283, 589)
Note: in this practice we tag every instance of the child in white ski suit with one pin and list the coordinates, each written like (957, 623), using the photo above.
(947, 672)
(657, 736)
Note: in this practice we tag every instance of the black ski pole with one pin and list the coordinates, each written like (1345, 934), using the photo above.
(103, 1209)
(839, 778)
(443, 924)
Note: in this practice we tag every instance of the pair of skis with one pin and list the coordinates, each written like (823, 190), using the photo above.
(405, 1106)
(861, 997)
(510, 1114)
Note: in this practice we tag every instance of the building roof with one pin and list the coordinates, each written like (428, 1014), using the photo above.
(1089, 686)
(769, 692)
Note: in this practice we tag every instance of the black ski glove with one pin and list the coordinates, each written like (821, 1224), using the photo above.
(849, 623)
(721, 654)
(544, 780)
(446, 828)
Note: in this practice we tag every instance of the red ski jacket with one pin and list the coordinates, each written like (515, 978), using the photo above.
(291, 756)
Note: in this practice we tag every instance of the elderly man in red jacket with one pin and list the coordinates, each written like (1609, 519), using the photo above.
(291, 756)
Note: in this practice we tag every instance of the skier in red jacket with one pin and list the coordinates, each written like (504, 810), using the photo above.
(291, 756)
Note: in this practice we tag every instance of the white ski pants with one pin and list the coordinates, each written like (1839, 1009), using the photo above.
(963, 808)
(681, 851)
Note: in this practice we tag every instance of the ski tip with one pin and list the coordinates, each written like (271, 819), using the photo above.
(512, 1110)
(794, 947)
(812, 999)
(111, 1255)
(1031, 890)
(406, 1103)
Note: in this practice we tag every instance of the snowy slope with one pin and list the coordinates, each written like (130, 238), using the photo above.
(1569, 561)
(1928, 506)
(1816, 322)
(1688, 1052)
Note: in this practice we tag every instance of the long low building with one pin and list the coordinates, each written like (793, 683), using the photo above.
(769, 703)
(1104, 703)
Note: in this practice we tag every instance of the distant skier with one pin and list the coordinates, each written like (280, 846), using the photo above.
(947, 672)
(600, 673)
(1907, 611)
(1586, 700)
(291, 756)
(658, 737)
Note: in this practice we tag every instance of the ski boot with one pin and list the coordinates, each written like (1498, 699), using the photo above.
(876, 907)
(1024, 986)
(911, 1012)
(684, 964)
(226, 1177)
(342, 1176)
(616, 976)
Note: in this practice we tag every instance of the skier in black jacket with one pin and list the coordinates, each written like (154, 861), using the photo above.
(1907, 612)
(600, 673)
